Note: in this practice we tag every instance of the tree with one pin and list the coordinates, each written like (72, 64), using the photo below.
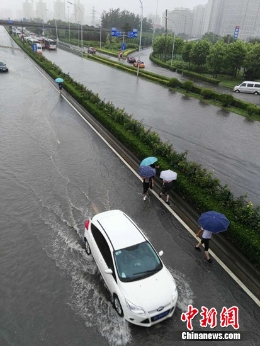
(216, 58)
(236, 53)
(163, 45)
(252, 62)
(199, 53)
(186, 51)
(125, 21)
(211, 37)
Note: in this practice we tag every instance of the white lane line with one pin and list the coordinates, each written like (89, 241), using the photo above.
(234, 277)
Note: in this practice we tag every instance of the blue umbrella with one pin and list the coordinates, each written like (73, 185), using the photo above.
(146, 171)
(213, 222)
(59, 80)
(148, 161)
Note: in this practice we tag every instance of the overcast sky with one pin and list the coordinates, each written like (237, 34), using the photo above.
(149, 6)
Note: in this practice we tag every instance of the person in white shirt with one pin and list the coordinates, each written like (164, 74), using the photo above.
(206, 236)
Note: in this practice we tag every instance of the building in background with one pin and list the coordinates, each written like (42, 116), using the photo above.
(40, 10)
(244, 14)
(180, 21)
(59, 10)
(27, 8)
(199, 13)
(222, 17)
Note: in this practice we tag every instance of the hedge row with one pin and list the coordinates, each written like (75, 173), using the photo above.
(195, 184)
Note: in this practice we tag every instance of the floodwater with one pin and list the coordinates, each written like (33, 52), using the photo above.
(56, 172)
(222, 142)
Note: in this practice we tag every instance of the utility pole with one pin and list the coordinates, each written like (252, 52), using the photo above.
(165, 45)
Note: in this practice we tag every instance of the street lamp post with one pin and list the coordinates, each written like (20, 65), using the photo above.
(55, 23)
(140, 41)
(81, 26)
(69, 20)
(173, 39)
(100, 29)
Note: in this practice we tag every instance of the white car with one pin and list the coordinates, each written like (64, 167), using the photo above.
(142, 289)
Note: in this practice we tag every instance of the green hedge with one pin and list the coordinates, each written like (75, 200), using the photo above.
(200, 77)
(195, 184)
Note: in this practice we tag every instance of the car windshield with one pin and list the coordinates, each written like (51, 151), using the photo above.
(137, 262)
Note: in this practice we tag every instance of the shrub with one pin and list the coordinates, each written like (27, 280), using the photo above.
(226, 100)
(187, 85)
(174, 82)
(251, 110)
(206, 93)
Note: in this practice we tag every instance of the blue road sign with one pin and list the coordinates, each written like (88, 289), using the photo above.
(130, 34)
(123, 47)
(34, 47)
(113, 32)
(119, 34)
(135, 33)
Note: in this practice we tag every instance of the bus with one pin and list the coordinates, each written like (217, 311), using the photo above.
(50, 44)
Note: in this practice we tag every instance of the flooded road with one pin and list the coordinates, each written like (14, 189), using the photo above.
(222, 142)
(56, 172)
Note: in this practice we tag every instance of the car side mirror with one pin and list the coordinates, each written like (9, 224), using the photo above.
(160, 253)
(108, 271)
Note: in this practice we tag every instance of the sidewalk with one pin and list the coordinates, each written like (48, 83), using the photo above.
(248, 274)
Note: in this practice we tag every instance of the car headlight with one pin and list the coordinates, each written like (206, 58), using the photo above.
(135, 309)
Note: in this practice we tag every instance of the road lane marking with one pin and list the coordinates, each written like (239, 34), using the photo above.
(230, 273)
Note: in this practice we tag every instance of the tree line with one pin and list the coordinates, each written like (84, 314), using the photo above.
(221, 57)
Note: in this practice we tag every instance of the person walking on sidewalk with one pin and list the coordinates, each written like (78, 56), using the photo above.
(147, 183)
(206, 236)
(167, 186)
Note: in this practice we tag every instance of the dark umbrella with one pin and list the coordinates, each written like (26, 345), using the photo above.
(146, 171)
(213, 221)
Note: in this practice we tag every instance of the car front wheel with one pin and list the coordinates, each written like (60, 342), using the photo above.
(118, 306)
(88, 250)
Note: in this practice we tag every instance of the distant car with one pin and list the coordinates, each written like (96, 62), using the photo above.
(140, 63)
(131, 59)
(3, 67)
(92, 50)
(142, 289)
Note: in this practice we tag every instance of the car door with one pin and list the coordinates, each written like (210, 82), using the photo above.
(103, 257)
(250, 88)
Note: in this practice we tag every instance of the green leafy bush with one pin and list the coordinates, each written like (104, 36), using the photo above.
(226, 100)
(174, 82)
(206, 93)
(187, 85)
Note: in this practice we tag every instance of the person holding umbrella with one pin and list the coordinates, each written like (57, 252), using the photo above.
(168, 178)
(147, 173)
(59, 81)
(210, 222)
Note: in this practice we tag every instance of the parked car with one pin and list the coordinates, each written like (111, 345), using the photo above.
(131, 59)
(140, 63)
(3, 67)
(92, 50)
(142, 289)
(248, 87)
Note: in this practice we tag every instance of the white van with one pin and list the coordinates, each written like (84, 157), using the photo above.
(39, 48)
(248, 87)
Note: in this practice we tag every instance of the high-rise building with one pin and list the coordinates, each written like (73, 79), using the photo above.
(222, 17)
(244, 14)
(27, 8)
(40, 10)
(199, 13)
(59, 10)
(180, 20)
